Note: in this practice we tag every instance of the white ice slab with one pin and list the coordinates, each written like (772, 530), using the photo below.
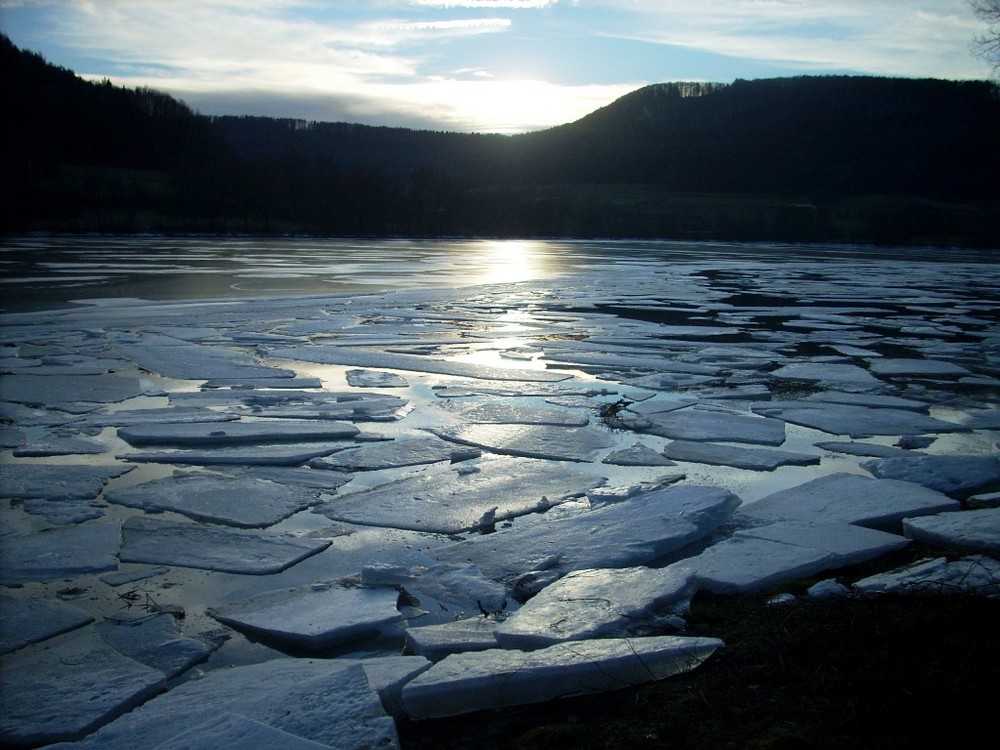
(84, 549)
(242, 502)
(56, 481)
(744, 564)
(437, 641)
(375, 379)
(637, 455)
(704, 425)
(760, 459)
(327, 701)
(281, 454)
(53, 390)
(234, 433)
(851, 498)
(174, 358)
(392, 454)
(45, 699)
(238, 731)
(456, 500)
(825, 372)
(863, 449)
(313, 617)
(581, 444)
(976, 574)
(918, 367)
(957, 476)
(872, 400)
(334, 355)
(60, 446)
(597, 603)
(969, 531)
(154, 640)
(24, 621)
(187, 545)
(497, 678)
(500, 412)
(862, 421)
(620, 534)
(850, 543)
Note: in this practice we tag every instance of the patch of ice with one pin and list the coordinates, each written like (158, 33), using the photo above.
(581, 444)
(233, 433)
(637, 455)
(703, 425)
(825, 372)
(437, 641)
(759, 459)
(389, 455)
(497, 678)
(861, 421)
(155, 641)
(84, 549)
(56, 390)
(957, 476)
(24, 621)
(375, 379)
(969, 531)
(56, 481)
(916, 367)
(499, 412)
(977, 574)
(254, 455)
(187, 545)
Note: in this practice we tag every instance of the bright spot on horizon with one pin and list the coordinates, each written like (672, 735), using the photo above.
(510, 261)
(503, 66)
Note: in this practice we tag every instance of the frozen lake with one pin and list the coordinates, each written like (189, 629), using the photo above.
(224, 458)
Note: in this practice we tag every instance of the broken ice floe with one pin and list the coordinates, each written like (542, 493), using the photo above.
(637, 455)
(957, 476)
(374, 379)
(156, 641)
(60, 553)
(496, 678)
(437, 641)
(192, 545)
(394, 454)
(233, 501)
(77, 694)
(253, 455)
(760, 459)
(716, 426)
(499, 412)
(234, 433)
(56, 390)
(859, 421)
(969, 531)
(59, 446)
(581, 444)
(24, 621)
(56, 481)
(332, 702)
(631, 532)
(825, 372)
(313, 617)
(457, 499)
(850, 498)
(977, 574)
(174, 358)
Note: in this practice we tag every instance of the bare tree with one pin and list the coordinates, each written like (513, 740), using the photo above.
(988, 42)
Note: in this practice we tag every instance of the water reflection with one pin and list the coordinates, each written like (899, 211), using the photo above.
(509, 261)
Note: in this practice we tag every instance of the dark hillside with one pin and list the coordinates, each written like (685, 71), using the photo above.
(842, 159)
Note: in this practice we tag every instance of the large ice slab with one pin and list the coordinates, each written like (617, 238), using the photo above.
(826, 372)
(917, 367)
(56, 481)
(851, 498)
(84, 549)
(968, 531)
(469, 497)
(234, 433)
(333, 702)
(630, 532)
(24, 621)
(313, 617)
(45, 700)
(154, 640)
(393, 454)
(282, 454)
(715, 426)
(174, 358)
(500, 412)
(335, 355)
(957, 476)
(637, 454)
(149, 540)
(60, 446)
(238, 731)
(532, 441)
(976, 574)
(497, 678)
(437, 641)
(744, 564)
(54, 390)
(597, 603)
(375, 379)
(860, 421)
(760, 459)
(233, 501)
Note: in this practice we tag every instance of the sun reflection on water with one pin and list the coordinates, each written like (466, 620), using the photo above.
(509, 261)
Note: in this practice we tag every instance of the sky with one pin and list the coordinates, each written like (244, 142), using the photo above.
(499, 66)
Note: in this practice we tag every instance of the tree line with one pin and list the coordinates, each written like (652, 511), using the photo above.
(817, 158)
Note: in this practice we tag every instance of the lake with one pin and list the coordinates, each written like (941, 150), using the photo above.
(44, 272)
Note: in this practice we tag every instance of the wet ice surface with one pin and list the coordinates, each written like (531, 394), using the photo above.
(200, 496)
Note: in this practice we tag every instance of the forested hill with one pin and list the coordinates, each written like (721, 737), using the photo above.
(798, 159)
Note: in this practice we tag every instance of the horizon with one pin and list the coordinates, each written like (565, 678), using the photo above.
(479, 66)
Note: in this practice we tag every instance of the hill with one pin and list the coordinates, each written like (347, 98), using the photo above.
(842, 159)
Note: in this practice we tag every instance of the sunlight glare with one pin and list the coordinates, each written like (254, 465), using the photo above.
(510, 261)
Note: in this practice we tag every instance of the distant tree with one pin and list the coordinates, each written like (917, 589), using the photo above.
(989, 42)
